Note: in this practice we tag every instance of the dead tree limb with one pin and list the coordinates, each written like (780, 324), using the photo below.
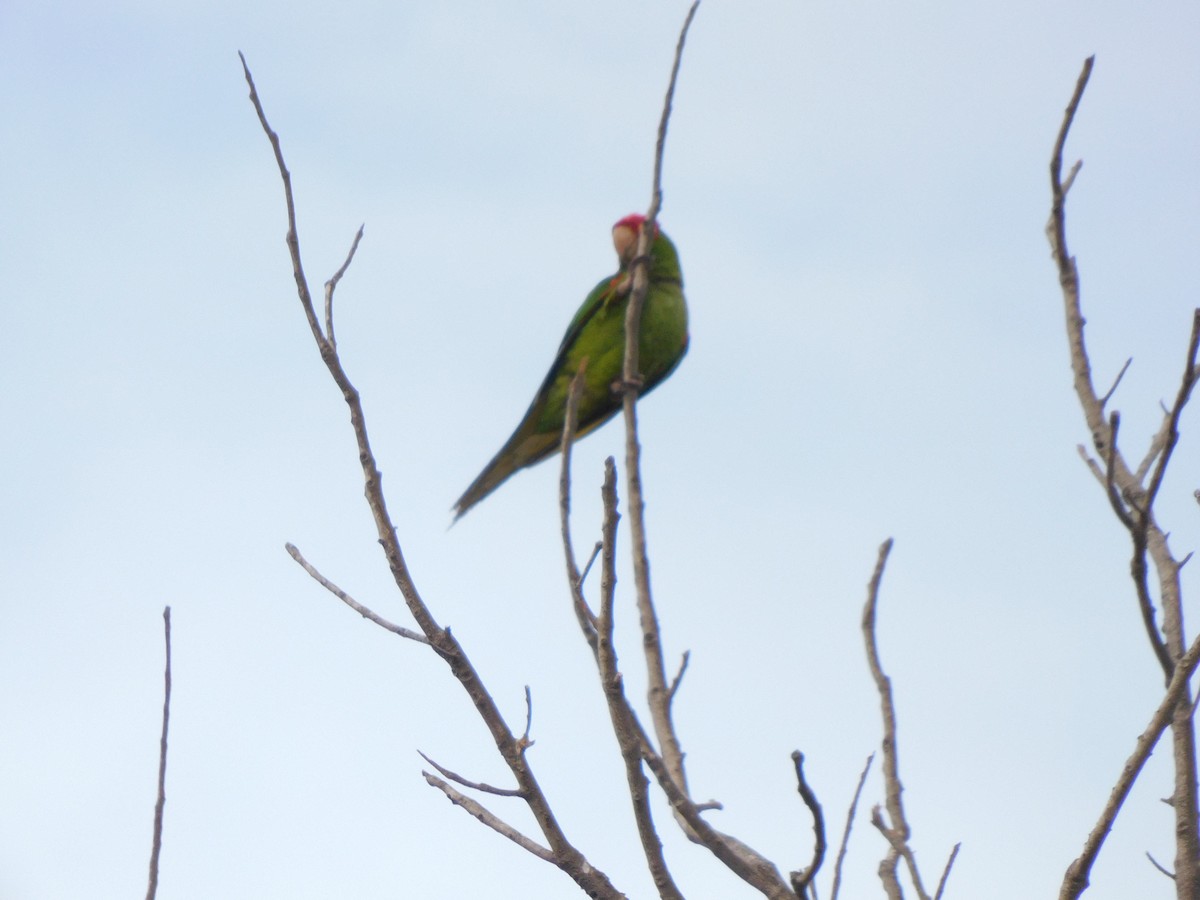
(1132, 500)
(511, 747)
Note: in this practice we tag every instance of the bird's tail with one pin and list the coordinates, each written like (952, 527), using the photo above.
(493, 475)
(520, 451)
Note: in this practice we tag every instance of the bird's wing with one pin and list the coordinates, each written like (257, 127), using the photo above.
(602, 294)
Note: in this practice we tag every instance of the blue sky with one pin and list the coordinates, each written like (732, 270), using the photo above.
(858, 193)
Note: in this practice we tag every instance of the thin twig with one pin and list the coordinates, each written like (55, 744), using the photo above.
(1068, 273)
(473, 785)
(1058, 189)
(1148, 539)
(293, 238)
(161, 801)
(1116, 381)
(583, 613)
(332, 283)
(841, 854)
(898, 832)
(657, 690)
(946, 871)
(660, 143)
(678, 679)
(364, 611)
(1070, 180)
(491, 820)
(1154, 862)
(803, 878)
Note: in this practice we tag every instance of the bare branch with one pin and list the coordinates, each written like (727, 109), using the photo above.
(473, 785)
(596, 548)
(1076, 880)
(1068, 274)
(678, 679)
(525, 739)
(668, 768)
(741, 859)
(161, 801)
(1147, 537)
(803, 878)
(614, 694)
(658, 694)
(1122, 500)
(491, 820)
(364, 611)
(564, 855)
(841, 855)
(898, 832)
(293, 238)
(660, 144)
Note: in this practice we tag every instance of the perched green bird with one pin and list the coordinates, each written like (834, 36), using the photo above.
(595, 342)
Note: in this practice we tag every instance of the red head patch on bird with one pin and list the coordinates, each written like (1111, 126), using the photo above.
(625, 234)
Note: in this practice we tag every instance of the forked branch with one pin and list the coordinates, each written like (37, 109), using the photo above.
(511, 748)
(1132, 501)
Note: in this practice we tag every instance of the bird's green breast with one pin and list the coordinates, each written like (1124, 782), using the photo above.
(600, 342)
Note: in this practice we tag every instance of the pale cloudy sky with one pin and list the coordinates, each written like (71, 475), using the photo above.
(858, 192)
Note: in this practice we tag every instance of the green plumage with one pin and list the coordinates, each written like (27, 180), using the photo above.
(596, 336)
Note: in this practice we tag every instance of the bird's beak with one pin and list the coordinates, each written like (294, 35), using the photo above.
(625, 243)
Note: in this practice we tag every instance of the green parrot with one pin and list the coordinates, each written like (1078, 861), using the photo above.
(595, 341)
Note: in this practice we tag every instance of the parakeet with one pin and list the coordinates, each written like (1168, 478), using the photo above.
(595, 340)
